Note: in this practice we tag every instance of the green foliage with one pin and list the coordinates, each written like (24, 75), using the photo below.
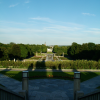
(55, 48)
(3, 53)
(78, 64)
(84, 51)
(89, 51)
(24, 51)
(59, 52)
(15, 51)
(91, 46)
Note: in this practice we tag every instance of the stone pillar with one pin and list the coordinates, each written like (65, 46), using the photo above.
(79, 94)
(14, 60)
(76, 87)
(25, 84)
(63, 54)
(36, 53)
(41, 53)
(23, 93)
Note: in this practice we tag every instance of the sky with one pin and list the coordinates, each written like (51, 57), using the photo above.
(56, 22)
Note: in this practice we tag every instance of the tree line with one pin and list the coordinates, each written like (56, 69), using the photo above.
(19, 51)
(89, 51)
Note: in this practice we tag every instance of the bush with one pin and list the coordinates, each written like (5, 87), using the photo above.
(78, 64)
(59, 52)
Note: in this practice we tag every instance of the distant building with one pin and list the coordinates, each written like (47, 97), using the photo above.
(50, 49)
(45, 44)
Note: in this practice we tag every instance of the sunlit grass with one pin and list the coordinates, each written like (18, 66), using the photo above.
(18, 75)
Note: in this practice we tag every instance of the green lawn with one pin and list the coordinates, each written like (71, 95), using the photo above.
(63, 58)
(33, 58)
(49, 52)
(18, 75)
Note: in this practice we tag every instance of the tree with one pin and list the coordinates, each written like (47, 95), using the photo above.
(44, 48)
(3, 53)
(29, 50)
(55, 48)
(16, 51)
(91, 46)
(24, 51)
(59, 52)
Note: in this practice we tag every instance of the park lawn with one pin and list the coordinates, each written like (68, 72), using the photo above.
(18, 75)
(49, 52)
(39, 54)
(33, 58)
(63, 58)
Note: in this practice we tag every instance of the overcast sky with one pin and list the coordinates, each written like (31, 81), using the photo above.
(56, 22)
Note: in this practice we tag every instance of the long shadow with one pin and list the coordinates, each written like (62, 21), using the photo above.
(59, 74)
(54, 72)
(69, 57)
(43, 65)
(87, 55)
(12, 75)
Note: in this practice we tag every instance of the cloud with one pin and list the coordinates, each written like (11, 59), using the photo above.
(37, 35)
(43, 19)
(63, 28)
(13, 5)
(88, 14)
(58, 34)
(93, 32)
(96, 29)
(27, 2)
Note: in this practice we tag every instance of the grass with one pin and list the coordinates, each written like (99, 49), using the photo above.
(39, 54)
(37, 58)
(17, 75)
(49, 52)
(32, 58)
(63, 58)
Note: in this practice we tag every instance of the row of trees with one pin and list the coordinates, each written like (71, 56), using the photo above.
(61, 49)
(19, 51)
(89, 51)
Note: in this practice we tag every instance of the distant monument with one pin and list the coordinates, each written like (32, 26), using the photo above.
(49, 57)
(50, 49)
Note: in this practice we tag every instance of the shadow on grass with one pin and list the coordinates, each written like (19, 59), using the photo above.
(39, 74)
(12, 74)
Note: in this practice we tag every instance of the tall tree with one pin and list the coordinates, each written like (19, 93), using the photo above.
(55, 48)
(3, 53)
(24, 51)
(16, 51)
(91, 46)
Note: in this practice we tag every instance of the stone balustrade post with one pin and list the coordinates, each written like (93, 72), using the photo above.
(14, 60)
(25, 82)
(76, 83)
(79, 94)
